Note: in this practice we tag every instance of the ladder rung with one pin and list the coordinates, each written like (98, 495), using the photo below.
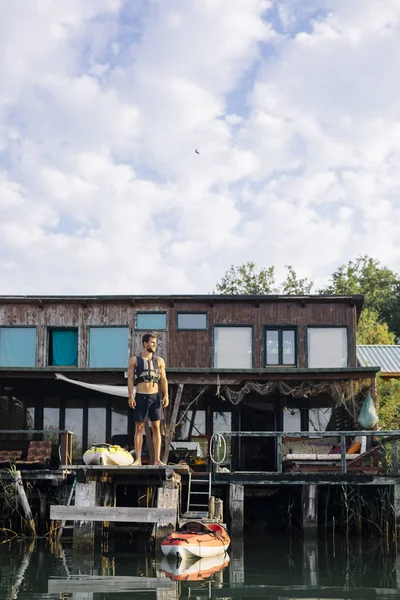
(193, 493)
(191, 504)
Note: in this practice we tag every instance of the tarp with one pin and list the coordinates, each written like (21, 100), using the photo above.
(114, 390)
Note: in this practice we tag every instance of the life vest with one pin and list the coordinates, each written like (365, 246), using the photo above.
(147, 370)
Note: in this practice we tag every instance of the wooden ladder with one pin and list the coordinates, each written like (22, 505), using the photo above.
(199, 493)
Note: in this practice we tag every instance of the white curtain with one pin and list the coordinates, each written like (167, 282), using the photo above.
(327, 347)
(233, 348)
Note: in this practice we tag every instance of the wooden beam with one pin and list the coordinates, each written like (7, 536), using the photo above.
(114, 514)
(172, 424)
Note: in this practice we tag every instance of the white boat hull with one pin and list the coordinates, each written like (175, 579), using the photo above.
(194, 565)
(192, 550)
(108, 458)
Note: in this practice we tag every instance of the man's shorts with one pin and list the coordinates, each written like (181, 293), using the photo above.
(147, 405)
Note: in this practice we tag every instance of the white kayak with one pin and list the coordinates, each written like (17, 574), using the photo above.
(106, 454)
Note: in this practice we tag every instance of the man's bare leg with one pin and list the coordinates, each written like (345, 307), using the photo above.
(155, 425)
(138, 441)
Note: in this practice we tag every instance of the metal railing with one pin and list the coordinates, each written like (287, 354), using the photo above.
(386, 437)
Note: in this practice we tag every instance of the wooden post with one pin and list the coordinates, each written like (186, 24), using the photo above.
(66, 448)
(211, 507)
(171, 429)
(167, 497)
(219, 510)
(24, 502)
(85, 496)
(396, 492)
(236, 508)
(310, 513)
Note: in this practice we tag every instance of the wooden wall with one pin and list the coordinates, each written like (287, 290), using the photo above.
(180, 348)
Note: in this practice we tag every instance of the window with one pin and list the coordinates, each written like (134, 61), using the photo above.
(291, 419)
(63, 347)
(17, 346)
(233, 347)
(151, 321)
(319, 418)
(192, 321)
(108, 346)
(96, 422)
(74, 422)
(327, 347)
(280, 346)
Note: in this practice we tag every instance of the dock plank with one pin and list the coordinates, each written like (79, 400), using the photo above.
(114, 514)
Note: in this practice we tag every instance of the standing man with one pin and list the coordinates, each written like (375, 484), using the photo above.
(146, 371)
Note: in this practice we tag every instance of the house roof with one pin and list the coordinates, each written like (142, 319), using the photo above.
(386, 356)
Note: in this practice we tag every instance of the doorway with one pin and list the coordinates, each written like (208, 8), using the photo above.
(257, 453)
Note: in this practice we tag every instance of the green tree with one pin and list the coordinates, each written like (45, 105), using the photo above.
(247, 278)
(388, 396)
(371, 330)
(365, 276)
(295, 286)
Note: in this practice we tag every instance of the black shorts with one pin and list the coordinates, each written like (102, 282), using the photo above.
(147, 405)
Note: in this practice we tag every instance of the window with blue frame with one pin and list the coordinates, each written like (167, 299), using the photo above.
(108, 346)
(63, 347)
(17, 346)
(151, 321)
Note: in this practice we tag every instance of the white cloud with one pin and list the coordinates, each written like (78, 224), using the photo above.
(104, 102)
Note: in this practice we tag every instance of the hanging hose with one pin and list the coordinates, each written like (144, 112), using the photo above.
(217, 441)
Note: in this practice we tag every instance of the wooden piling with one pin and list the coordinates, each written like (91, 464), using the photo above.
(24, 502)
(211, 508)
(219, 510)
(236, 508)
(84, 531)
(396, 492)
(309, 508)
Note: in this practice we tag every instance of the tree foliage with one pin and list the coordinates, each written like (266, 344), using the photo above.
(371, 330)
(364, 276)
(247, 278)
(388, 395)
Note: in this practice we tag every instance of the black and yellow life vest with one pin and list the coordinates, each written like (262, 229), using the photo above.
(147, 370)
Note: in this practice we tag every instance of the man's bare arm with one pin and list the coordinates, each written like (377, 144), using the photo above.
(163, 382)
(131, 373)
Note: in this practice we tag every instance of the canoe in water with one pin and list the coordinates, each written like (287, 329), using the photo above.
(197, 539)
(106, 454)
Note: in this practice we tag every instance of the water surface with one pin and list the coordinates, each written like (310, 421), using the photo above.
(261, 566)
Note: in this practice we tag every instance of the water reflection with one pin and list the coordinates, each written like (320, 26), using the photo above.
(259, 567)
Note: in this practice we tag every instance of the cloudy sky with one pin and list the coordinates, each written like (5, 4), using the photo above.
(293, 106)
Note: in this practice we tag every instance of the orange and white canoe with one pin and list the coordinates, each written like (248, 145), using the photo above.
(194, 568)
(197, 539)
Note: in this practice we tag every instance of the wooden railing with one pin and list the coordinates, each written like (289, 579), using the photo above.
(389, 461)
(64, 437)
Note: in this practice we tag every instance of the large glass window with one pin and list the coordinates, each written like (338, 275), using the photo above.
(327, 347)
(63, 347)
(151, 321)
(97, 422)
(51, 418)
(280, 346)
(74, 423)
(233, 347)
(192, 321)
(108, 346)
(119, 420)
(222, 421)
(17, 346)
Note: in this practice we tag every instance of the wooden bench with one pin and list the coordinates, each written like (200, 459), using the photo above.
(302, 453)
